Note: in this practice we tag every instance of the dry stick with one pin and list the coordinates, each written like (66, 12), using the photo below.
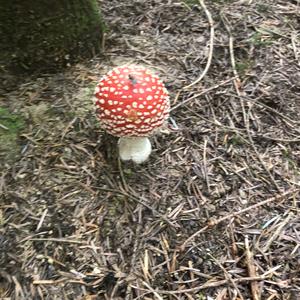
(3, 127)
(145, 265)
(251, 271)
(48, 282)
(293, 38)
(42, 220)
(216, 222)
(211, 44)
(59, 240)
(237, 82)
(2, 182)
(205, 165)
(18, 288)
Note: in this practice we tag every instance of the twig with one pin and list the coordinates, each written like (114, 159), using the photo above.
(237, 80)
(145, 265)
(42, 220)
(251, 271)
(48, 282)
(18, 288)
(56, 240)
(216, 222)
(293, 38)
(211, 44)
(2, 182)
(205, 165)
(3, 127)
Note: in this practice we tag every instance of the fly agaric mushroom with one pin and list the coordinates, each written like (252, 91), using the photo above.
(132, 103)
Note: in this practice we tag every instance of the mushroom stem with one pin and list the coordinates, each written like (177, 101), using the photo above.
(136, 149)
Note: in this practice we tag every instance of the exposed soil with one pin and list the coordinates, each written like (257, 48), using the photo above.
(214, 213)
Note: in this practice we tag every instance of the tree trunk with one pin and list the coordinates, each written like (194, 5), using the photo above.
(48, 34)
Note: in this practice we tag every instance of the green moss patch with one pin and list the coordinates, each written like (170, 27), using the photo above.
(10, 127)
(47, 35)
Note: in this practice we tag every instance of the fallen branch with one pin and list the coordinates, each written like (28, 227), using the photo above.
(251, 271)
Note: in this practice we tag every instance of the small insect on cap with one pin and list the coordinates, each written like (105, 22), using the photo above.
(131, 101)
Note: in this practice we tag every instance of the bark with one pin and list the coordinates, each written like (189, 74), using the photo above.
(47, 34)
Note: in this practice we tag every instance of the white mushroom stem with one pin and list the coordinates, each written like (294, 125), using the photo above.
(136, 149)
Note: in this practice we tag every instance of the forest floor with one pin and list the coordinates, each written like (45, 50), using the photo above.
(214, 214)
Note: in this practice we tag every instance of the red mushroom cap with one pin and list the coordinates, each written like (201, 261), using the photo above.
(131, 101)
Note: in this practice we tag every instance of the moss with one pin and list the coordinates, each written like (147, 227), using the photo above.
(262, 8)
(244, 66)
(260, 38)
(201, 296)
(49, 33)
(37, 114)
(10, 127)
(82, 102)
(236, 140)
(128, 172)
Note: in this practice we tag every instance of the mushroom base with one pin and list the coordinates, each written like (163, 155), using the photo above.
(136, 149)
